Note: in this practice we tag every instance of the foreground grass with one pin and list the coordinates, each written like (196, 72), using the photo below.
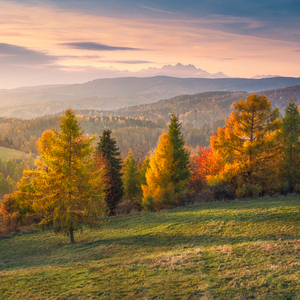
(6, 153)
(237, 250)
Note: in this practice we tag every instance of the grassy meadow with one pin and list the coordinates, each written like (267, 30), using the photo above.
(6, 153)
(246, 249)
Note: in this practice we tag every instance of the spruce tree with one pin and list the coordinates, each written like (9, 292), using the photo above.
(179, 152)
(108, 150)
(290, 134)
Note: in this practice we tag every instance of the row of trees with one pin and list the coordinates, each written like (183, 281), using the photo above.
(254, 154)
(75, 184)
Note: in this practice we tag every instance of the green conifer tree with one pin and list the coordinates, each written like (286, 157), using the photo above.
(290, 137)
(107, 148)
(180, 153)
(143, 170)
(131, 179)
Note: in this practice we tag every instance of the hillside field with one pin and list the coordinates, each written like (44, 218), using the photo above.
(246, 249)
(6, 153)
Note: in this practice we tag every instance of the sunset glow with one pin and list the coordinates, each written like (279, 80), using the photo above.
(44, 42)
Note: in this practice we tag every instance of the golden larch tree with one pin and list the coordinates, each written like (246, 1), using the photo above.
(249, 145)
(160, 176)
(66, 187)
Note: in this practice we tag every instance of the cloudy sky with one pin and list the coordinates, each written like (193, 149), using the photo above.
(67, 41)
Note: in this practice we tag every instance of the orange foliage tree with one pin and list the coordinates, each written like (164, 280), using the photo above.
(203, 164)
(249, 146)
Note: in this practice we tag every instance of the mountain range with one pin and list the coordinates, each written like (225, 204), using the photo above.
(179, 70)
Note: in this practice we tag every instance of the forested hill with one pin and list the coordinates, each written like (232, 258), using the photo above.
(281, 97)
(114, 93)
(198, 109)
(139, 127)
(138, 135)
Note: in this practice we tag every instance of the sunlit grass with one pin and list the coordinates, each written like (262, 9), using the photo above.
(235, 250)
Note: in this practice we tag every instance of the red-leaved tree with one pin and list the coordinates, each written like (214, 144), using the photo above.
(203, 164)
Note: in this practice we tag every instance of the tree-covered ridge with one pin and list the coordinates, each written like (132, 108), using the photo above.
(207, 107)
(197, 109)
(280, 97)
(115, 93)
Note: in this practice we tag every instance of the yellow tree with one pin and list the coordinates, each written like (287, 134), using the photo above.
(160, 177)
(248, 145)
(66, 189)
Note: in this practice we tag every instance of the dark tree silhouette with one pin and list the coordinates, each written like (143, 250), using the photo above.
(114, 190)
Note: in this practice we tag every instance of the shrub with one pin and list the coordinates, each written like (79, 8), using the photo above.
(124, 208)
(148, 203)
(248, 190)
(297, 188)
(223, 191)
(11, 219)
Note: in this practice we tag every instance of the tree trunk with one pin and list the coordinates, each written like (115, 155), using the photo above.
(72, 236)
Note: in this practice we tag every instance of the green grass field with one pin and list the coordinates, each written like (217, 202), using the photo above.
(237, 250)
(6, 153)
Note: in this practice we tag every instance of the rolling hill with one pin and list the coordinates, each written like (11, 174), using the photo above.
(198, 109)
(114, 93)
(6, 153)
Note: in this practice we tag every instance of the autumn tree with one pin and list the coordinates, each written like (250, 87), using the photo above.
(131, 179)
(159, 177)
(65, 188)
(248, 145)
(204, 163)
(108, 150)
(168, 171)
(290, 138)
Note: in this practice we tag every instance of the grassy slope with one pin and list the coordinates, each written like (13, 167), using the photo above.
(238, 250)
(6, 153)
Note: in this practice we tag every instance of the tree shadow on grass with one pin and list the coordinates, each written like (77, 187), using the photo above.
(108, 248)
(155, 231)
(171, 218)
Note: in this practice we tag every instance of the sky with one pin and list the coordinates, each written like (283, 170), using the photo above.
(69, 41)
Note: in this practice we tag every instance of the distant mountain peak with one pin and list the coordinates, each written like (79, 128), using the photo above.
(180, 70)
